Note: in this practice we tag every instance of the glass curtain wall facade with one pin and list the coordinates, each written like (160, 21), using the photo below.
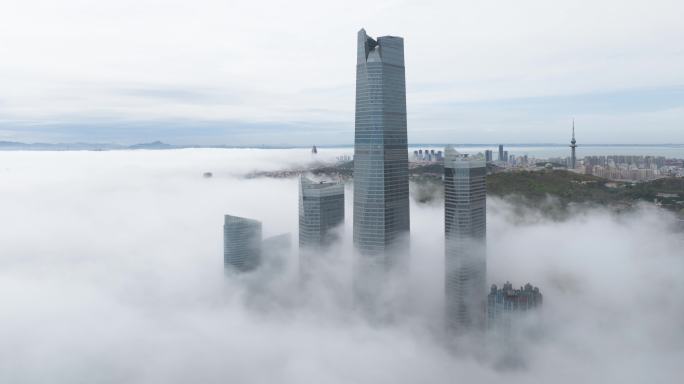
(465, 240)
(241, 243)
(321, 210)
(381, 194)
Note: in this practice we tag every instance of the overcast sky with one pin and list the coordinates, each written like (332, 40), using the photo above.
(265, 72)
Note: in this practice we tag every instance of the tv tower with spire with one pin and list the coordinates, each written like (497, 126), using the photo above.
(573, 145)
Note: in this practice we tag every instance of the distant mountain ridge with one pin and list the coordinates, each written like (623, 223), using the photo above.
(15, 145)
(79, 146)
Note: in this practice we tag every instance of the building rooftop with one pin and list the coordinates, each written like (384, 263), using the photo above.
(320, 188)
(230, 219)
(456, 159)
(526, 297)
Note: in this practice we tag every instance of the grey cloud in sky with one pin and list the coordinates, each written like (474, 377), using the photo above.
(278, 63)
(183, 95)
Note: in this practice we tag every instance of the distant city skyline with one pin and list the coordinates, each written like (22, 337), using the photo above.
(513, 73)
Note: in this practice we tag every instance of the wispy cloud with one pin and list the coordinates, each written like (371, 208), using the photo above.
(509, 69)
(183, 95)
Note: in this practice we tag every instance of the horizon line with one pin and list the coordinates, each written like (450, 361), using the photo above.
(7, 144)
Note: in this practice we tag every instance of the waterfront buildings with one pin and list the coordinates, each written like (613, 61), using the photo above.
(381, 195)
(488, 155)
(427, 155)
(465, 230)
(241, 243)
(501, 153)
(633, 168)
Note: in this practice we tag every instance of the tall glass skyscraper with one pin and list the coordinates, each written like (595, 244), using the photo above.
(465, 227)
(381, 194)
(321, 209)
(241, 243)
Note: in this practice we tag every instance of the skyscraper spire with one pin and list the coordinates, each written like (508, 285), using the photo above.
(573, 131)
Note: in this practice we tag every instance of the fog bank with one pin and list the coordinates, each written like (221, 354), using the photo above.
(111, 270)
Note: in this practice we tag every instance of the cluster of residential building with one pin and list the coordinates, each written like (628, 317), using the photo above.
(624, 172)
(344, 158)
(504, 301)
(381, 216)
(638, 168)
(615, 167)
(504, 159)
(427, 155)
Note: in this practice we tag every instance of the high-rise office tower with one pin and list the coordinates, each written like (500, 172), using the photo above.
(241, 243)
(501, 153)
(573, 145)
(488, 155)
(381, 195)
(465, 240)
(321, 209)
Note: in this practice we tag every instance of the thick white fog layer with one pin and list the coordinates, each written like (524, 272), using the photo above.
(111, 270)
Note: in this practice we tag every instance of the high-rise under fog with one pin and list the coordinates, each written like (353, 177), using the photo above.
(321, 209)
(241, 243)
(381, 194)
(465, 227)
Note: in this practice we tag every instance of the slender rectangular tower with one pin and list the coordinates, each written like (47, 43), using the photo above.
(241, 243)
(573, 146)
(381, 194)
(465, 227)
(321, 209)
